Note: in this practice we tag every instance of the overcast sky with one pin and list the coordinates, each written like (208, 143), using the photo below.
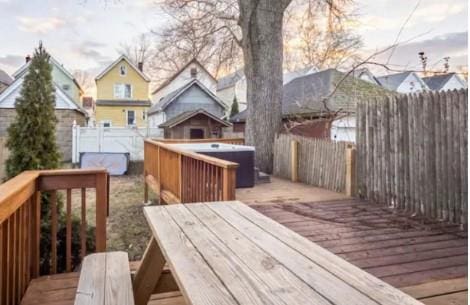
(85, 34)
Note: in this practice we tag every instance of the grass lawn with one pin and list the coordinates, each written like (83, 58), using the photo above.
(127, 229)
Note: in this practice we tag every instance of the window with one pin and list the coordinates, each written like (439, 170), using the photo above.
(130, 117)
(196, 133)
(122, 90)
(106, 123)
(123, 70)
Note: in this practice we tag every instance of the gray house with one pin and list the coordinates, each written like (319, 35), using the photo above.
(191, 97)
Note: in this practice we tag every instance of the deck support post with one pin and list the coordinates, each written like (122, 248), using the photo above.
(351, 171)
(294, 152)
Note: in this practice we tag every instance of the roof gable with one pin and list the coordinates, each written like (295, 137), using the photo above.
(182, 117)
(437, 82)
(177, 73)
(116, 62)
(5, 78)
(173, 96)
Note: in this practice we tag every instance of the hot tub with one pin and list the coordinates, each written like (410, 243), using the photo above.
(241, 154)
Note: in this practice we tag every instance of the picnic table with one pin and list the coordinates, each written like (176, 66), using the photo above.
(226, 253)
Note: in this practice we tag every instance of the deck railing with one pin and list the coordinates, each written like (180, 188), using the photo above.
(235, 141)
(20, 223)
(181, 176)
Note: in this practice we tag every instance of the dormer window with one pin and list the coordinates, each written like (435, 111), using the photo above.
(123, 70)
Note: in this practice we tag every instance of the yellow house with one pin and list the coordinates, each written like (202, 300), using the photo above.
(122, 95)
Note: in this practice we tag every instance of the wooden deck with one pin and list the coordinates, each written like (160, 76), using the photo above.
(426, 259)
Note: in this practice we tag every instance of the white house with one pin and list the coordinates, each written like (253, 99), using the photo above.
(344, 129)
(234, 85)
(192, 70)
(443, 82)
(405, 82)
(366, 75)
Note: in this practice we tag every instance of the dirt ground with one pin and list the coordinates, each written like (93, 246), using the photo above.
(127, 229)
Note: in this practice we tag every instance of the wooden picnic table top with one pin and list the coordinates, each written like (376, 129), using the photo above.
(227, 253)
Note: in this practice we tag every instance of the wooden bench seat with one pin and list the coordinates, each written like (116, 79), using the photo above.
(105, 279)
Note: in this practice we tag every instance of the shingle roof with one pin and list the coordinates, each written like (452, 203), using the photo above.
(189, 114)
(146, 103)
(308, 94)
(170, 97)
(230, 80)
(5, 78)
(393, 81)
(436, 82)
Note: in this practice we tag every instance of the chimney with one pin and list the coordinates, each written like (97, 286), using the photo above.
(140, 66)
(27, 58)
(193, 72)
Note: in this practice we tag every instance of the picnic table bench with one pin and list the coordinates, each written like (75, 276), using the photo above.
(225, 253)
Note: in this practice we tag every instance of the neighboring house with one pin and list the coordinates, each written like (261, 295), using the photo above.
(61, 77)
(234, 85)
(5, 80)
(366, 75)
(196, 124)
(310, 100)
(405, 82)
(67, 111)
(122, 91)
(192, 70)
(193, 96)
(443, 82)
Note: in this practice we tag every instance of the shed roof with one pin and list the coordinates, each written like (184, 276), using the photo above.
(180, 118)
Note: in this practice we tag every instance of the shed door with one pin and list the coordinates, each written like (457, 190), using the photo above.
(196, 133)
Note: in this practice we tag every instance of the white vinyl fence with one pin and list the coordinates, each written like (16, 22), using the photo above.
(112, 140)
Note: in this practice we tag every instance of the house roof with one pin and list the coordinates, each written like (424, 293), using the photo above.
(58, 91)
(359, 72)
(175, 75)
(117, 61)
(393, 81)
(5, 78)
(239, 117)
(18, 73)
(436, 82)
(180, 118)
(309, 94)
(145, 103)
(172, 96)
(230, 80)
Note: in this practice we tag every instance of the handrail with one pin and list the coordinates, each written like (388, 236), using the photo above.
(194, 155)
(20, 224)
(237, 141)
(177, 175)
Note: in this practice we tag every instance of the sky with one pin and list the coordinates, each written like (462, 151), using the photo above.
(86, 34)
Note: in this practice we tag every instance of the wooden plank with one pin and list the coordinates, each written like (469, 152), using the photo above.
(91, 285)
(436, 288)
(152, 182)
(251, 275)
(118, 285)
(68, 239)
(149, 273)
(458, 298)
(168, 197)
(357, 278)
(101, 187)
(196, 279)
(294, 151)
(83, 224)
(53, 203)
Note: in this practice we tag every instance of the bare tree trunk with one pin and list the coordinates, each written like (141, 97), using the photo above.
(261, 24)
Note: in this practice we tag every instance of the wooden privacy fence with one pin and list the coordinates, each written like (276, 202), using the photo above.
(412, 153)
(317, 162)
(181, 176)
(20, 224)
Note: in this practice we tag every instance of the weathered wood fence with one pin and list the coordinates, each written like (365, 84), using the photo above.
(412, 153)
(317, 162)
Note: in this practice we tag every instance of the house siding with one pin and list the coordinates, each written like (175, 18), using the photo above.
(454, 83)
(193, 99)
(65, 118)
(105, 91)
(412, 84)
(61, 79)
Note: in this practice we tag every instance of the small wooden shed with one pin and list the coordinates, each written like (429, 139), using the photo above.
(197, 124)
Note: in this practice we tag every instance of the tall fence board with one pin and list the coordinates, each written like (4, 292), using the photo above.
(321, 162)
(412, 153)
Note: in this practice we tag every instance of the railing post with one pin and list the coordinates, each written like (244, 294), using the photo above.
(228, 183)
(294, 152)
(35, 234)
(350, 171)
(101, 210)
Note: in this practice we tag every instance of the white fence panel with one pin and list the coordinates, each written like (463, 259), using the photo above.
(112, 140)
